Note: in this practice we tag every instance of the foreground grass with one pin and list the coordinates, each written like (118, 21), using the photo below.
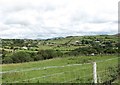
(58, 70)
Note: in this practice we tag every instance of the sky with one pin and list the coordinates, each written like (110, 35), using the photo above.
(42, 19)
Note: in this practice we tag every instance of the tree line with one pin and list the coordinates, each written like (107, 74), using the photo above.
(23, 56)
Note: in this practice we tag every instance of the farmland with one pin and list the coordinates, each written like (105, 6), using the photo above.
(26, 72)
(60, 60)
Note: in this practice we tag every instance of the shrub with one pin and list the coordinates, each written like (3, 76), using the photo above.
(47, 54)
(21, 56)
(7, 60)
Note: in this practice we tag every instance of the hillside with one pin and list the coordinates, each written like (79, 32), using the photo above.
(57, 47)
(60, 60)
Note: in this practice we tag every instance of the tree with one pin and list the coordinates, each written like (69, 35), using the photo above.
(7, 60)
(110, 50)
(20, 57)
(48, 54)
(18, 42)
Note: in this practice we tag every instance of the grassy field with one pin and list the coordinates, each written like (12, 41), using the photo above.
(65, 68)
(59, 70)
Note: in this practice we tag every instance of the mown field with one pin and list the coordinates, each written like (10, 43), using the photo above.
(61, 70)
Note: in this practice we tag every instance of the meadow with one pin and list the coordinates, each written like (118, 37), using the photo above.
(60, 70)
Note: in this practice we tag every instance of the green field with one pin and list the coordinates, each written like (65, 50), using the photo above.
(60, 60)
(59, 70)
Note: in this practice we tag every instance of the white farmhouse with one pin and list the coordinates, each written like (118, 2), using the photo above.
(25, 48)
(92, 54)
(76, 41)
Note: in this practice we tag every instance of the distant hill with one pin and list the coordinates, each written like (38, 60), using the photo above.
(117, 34)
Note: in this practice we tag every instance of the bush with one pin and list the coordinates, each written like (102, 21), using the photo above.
(7, 60)
(47, 54)
(82, 51)
(21, 56)
(38, 57)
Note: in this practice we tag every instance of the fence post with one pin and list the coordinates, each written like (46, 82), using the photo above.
(94, 72)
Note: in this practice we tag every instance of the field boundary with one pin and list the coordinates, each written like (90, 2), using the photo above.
(49, 75)
(60, 73)
(42, 68)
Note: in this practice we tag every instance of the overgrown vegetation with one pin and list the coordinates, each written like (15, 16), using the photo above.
(22, 56)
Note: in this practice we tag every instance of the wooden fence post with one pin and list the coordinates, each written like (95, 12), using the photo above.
(94, 72)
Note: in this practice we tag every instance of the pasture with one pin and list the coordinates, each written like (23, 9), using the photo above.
(60, 60)
(60, 70)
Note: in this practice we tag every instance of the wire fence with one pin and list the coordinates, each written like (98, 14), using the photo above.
(105, 71)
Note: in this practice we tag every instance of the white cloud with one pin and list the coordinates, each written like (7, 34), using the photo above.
(53, 18)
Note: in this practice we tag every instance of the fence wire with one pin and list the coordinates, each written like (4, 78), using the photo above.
(73, 73)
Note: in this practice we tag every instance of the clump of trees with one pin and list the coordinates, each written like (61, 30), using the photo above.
(17, 57)
(23, 56)
(48, 54)
(20, 57)
(96, 49)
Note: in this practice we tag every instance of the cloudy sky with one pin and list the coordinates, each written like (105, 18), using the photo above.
(57, 18)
